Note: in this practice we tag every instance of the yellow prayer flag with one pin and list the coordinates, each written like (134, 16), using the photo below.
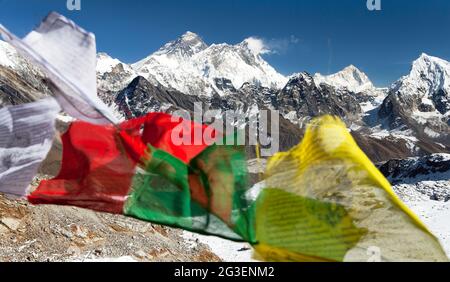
(324, 200)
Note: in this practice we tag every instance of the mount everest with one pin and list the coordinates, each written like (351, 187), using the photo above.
(190, 66)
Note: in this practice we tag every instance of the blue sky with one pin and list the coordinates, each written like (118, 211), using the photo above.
(315, 35)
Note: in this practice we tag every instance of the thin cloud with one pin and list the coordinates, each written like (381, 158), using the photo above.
(258, 45)
(263, 46)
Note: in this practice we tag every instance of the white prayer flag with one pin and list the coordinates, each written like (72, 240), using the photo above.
(26, 136)
(67, 55)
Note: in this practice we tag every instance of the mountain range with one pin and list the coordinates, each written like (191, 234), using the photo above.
(411, 118)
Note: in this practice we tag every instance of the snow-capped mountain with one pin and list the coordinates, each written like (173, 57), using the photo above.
(8, 55)
(171, 66)
(421, 99)
(354, 80)
(20, 81)
(348, 94)
(302, 99)
(141, 97)
(350, 77)
(10, 58)
(429, 82)
(189, 65)
(112, 74)
(229, 77)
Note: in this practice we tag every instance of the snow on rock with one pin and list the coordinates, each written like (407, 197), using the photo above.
(413, 170)
(95, 259)
(436, 216)
(424, 185)
(226, 250)
(350, 77)
(424, 94)
(105, 63)
(112, 74)
(10, 58)
(354, 80)
(8, 55)
(428, 76)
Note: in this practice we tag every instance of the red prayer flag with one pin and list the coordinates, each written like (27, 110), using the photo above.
(99, 161)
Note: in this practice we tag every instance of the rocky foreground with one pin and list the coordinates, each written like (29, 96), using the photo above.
(55, 233)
